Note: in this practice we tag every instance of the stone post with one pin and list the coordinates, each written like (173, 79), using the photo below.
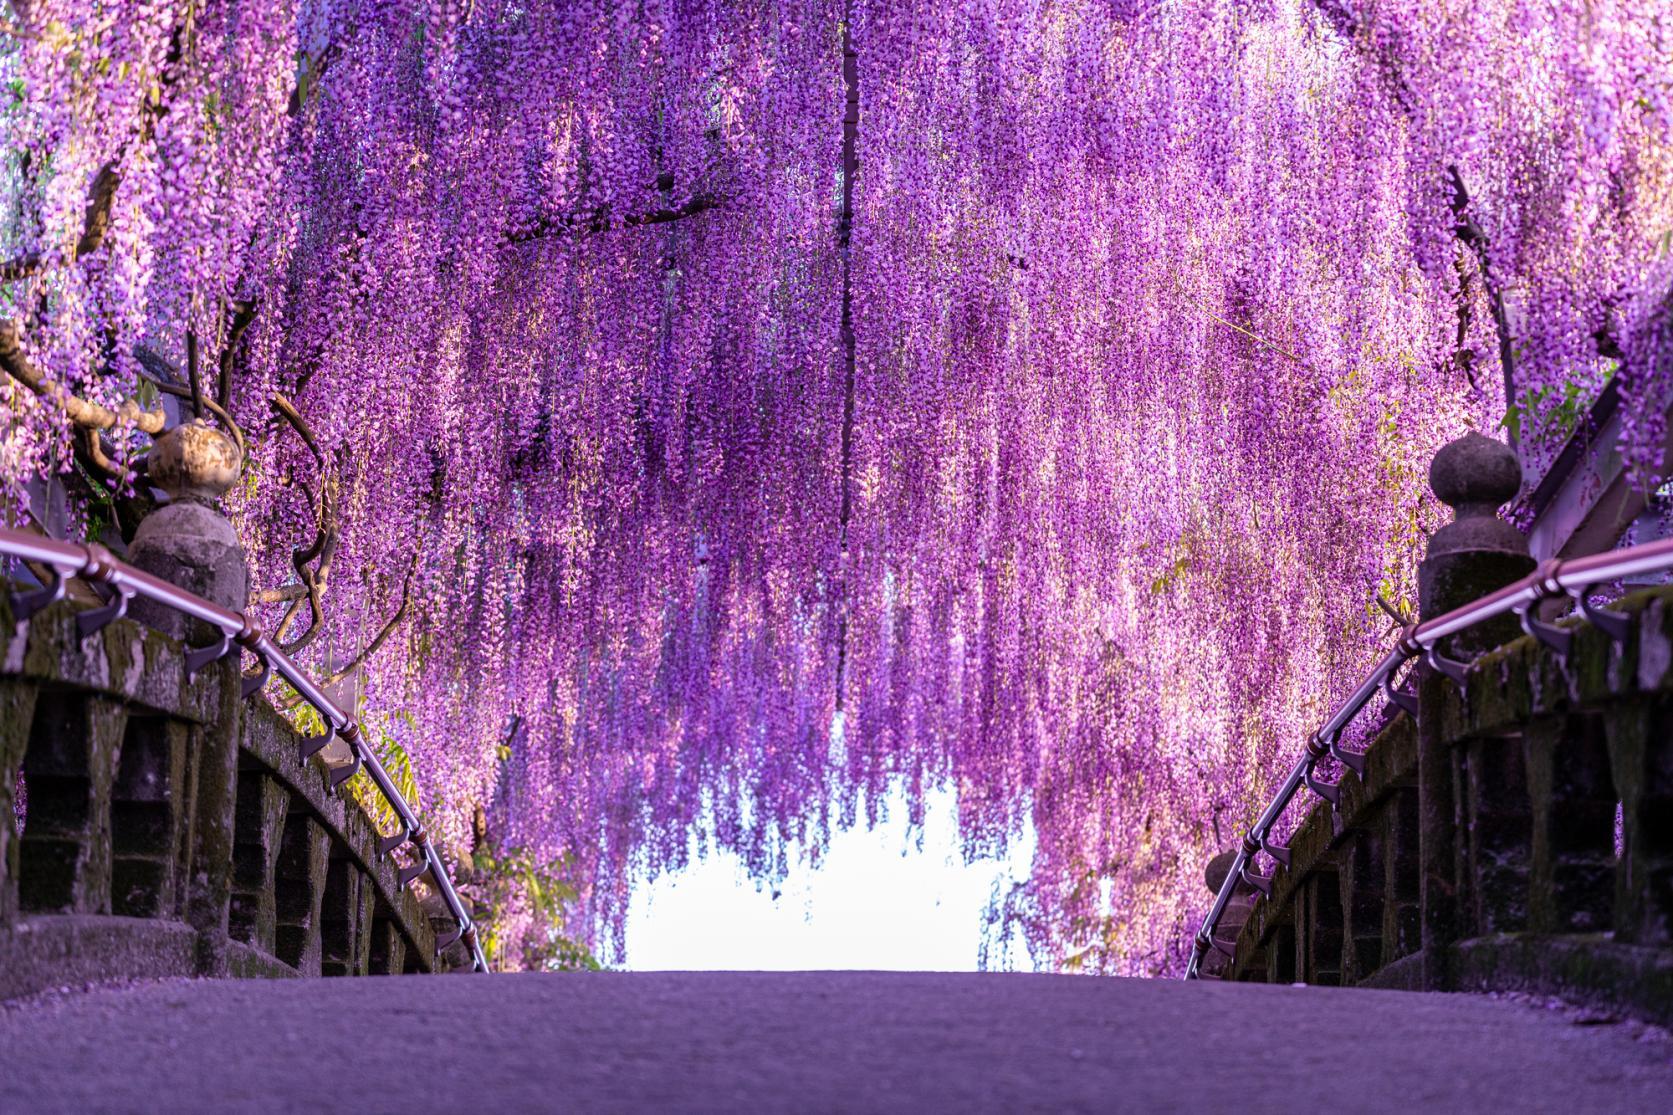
(17, 712)
(190, 543)
(1468, 558)
(1232, 918)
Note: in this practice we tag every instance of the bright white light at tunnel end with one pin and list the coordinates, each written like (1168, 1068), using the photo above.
(883, 898)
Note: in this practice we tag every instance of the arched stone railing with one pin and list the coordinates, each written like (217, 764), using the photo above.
(168, 827)
(1562, 857)
(1512, 827)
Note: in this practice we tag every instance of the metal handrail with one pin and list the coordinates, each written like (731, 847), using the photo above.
(1574, 577)
(96, 564)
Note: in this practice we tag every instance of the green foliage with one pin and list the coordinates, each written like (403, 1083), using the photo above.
(1163, 582)
(1550, 413)
(512, 881)
(522, 902)
(396, 763)
(375, 733)
(301, 715)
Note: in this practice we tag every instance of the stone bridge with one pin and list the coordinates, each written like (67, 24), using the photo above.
(1510, 833)
(915, 1042)
(168, 827)
(1557, 869)
(1512, 827)
(157, 816)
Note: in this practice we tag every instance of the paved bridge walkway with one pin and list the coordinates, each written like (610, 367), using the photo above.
(811, 1042)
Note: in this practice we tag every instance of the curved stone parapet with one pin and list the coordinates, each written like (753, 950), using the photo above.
(168, 827)
(1562, 854)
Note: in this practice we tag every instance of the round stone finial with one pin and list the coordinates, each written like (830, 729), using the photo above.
(1218, 868)
(1476, 472)
(189, 542)
(194, 461)
(1477, 552)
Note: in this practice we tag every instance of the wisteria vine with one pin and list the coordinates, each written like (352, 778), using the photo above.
(1045, 427)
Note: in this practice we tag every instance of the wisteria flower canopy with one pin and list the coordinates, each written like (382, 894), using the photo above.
(776, 402)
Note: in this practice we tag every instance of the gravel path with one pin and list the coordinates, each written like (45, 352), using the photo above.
(819, 1041)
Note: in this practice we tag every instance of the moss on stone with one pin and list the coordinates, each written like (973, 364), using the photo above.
(126, 666)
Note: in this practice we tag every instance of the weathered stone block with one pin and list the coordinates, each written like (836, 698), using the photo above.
(1402, 917)
(1641, 763)
(362, 965)
(1592, 667)
(1363, 879)
(214, 746)
(124, 662)
(1655, 647)
(17, 712)
(341, 912)
(1499, 697)
(1282, 959)
(1499, 836)
(1583, 968)
(1391, 759)
(39, 951)
(387, 945)
(1321, 946)
(263, 804)
(195, 547)
(68, 766)
(147, 815)
(1571, 886)
(304, 855)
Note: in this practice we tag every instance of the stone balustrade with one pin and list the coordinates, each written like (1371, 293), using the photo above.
(168, 828)
(1550, 847)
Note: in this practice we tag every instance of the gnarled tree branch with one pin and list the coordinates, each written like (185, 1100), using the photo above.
(86, 414)
(95, 224)
(1463, 356)
(284, 594)
(312, 565)
(600, 220)
(1471, 236)
(243, 316)
(384, 632)
(287, 410)
(308, 78)
(166, 378)
(1348, 24)
(845, 335)
(101, 195)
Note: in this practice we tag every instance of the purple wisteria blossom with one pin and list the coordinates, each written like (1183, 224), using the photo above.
(1159, 311)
